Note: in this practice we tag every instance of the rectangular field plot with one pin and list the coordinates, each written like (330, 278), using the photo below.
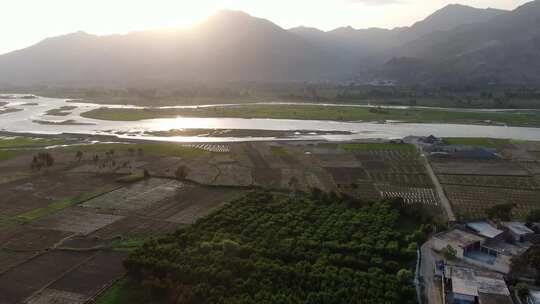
(410, 196)
(93, 274)
(365, 190)
(137, 196)
(512, 182)
(133, 226)
(52, 296)
(192, 204)
(347, 175)
(42, 190)
(266, 177)
(22, 281)
(340, 160)
(472, 202)
(34, 239)
(76, 220)
(478, 167)
(10, 259)
(412, 180)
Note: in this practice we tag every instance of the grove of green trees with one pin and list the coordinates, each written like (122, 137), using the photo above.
(275, 248)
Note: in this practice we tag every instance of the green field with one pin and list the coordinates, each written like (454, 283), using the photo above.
(279, 151)
(483, 142)
(337, 113)
(7, 154)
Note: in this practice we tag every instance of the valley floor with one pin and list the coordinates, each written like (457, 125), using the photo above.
(94, 206)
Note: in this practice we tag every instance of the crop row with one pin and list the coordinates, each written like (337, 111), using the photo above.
(472, 201)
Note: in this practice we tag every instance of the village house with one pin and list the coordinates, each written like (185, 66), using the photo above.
(464, 285)
(480, 243)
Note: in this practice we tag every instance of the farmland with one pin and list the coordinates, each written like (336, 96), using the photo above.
(474, 186)
(279, 249)
(97, 203)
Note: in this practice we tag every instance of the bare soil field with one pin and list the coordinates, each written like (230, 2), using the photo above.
(192, 203)
(41, 190)
(337, 160)
(347, 175)
(76, 220)
(254, 156)
(136, 196)
(93, 274)
(9, 259)
(21, 282)
(131, 227)
(233, 175)
(34, 239)
(52, 296)
(267, 177)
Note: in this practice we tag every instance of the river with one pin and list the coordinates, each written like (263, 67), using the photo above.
(32, 118)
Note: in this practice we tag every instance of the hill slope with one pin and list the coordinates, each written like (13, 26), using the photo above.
(229, 46)
(457, 44)
(502, 50)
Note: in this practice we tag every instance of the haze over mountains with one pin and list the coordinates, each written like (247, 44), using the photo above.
(455, 45)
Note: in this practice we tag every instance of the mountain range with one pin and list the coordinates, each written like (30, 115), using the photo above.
(455, 45)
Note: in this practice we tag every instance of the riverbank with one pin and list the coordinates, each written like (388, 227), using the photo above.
(529, 118)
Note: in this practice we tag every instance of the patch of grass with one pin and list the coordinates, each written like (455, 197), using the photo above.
(279, 151)
(6, 222)
(125, 291)
(483, 142)
(127, 244)
(128, 114)
(62, 111)
(132, 178)
(19, 142)
(58, 206)
(8, 154)
(378, 147)
(315, 112)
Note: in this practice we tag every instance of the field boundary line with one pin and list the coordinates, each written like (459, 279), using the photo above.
(92, 299)
(58, 278)
(38, 253)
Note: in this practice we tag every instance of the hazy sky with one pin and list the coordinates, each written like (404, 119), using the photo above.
(25, 22)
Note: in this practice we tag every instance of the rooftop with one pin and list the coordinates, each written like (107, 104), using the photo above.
(463, 281)
(535, 296)
(460, 238)
(490, 287)
(517, 228)
(484, 229)
(494, 299)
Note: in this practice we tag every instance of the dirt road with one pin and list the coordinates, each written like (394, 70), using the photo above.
(440, 192)
(432, 287)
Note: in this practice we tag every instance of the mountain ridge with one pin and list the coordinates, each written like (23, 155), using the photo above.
(455, 41)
